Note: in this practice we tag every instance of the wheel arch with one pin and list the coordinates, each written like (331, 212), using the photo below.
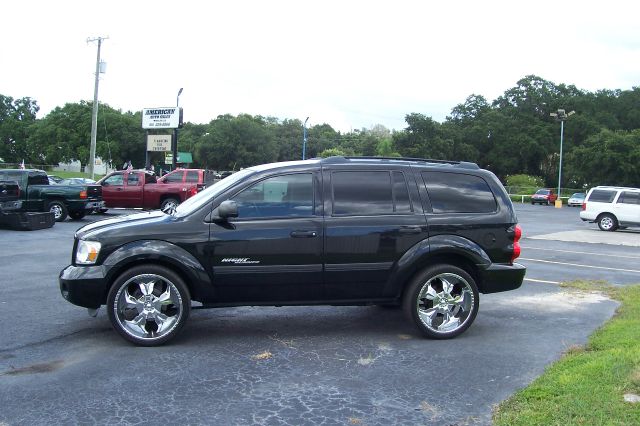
(441, 249)
(160, 253)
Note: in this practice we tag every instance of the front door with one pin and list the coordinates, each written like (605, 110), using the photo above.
(112, 189)
(273, 250)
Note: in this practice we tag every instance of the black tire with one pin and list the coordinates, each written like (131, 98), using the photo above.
(102, 211)
(136, 322)
(77, 215)
(532, 203)
(461, 299)
(169, 201)
(607, 222)
(58, 209)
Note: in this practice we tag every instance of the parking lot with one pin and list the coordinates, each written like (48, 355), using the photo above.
(297, 365)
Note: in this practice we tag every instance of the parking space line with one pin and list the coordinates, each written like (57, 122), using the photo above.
(580, 266)
(541, 281)
(581, 252)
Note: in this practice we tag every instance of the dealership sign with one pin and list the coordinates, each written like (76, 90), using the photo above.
(159, 143)
(161, 118)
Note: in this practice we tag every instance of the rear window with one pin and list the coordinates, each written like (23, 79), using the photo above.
(458, 193)
(602, 196)
(628, 197)
(542, 192)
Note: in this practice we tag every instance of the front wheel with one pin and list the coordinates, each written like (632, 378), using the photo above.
(148, 304)
(442, 301)
(59, 210)
(607, 222)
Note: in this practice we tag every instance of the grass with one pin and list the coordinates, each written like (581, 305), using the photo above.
(66, 175)
(587, 386)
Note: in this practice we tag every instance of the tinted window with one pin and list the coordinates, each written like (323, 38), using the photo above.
(192, 176)
(458, 193)
(174, 177)
(543, 192)
(629, 197)
(279, 196)
(38, 179)
(401, 199)
(602, 196)
(362, 193)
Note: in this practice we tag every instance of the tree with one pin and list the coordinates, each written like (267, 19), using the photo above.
(16, 116)
(607, 158)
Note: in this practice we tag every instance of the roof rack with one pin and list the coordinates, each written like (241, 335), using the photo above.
(341, 159)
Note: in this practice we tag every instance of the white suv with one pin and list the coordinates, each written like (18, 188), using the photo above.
(612, 207)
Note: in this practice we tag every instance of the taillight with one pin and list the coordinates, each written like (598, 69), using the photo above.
(584, 206)
(517, 234)
(83, 194)
(192, 191)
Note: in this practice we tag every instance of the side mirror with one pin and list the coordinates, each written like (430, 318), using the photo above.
(227, 209)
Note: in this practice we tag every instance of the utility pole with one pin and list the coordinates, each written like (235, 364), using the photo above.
(94, 114)
(174, 146)
(304, 139)
(560, 116)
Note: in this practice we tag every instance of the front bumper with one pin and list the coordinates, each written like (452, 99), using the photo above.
(501, 277)
(84, 286)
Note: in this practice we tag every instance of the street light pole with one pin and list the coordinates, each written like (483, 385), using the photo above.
(561, 116)
(174, 154)
(304, 139)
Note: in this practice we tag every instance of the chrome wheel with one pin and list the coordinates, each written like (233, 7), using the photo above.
(445, 302)
(148, 307)
(169, 205)
(59, 211)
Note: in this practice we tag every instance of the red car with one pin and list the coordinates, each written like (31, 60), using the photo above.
(140, 188)
(544, 196)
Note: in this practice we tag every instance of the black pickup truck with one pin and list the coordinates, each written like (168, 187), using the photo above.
(37, 195)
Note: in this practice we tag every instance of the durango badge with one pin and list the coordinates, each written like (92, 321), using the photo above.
(238, 260)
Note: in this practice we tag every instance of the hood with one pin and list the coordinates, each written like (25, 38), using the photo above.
(120, 222)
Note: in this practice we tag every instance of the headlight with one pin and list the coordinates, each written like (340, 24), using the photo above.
(87, 252)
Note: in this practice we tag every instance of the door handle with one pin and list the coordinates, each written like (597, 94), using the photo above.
(410, 229)
(119, 189)
(304, 234)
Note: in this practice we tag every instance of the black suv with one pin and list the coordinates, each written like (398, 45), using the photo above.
(426, 235)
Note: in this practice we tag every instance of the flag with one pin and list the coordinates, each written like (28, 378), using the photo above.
(22, 164)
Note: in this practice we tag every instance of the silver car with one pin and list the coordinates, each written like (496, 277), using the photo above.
(576, 199)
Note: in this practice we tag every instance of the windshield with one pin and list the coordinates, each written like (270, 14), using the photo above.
(578, 195)
(194, 203)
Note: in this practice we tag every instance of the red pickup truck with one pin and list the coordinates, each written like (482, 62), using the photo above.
(141, 188)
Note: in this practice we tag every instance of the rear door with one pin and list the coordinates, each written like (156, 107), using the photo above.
(372, 217)
(627, 207)
(133, 192)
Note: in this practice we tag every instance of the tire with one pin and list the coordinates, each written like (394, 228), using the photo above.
(436, 293)
(77, 215)
(607, 222)
(102, 211)
(148, 305)
(58, 209)
(533, 204)
(169, 202)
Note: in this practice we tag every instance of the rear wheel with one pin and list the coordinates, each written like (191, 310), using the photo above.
(607, 222)
(77, 215)
(442, 301)
(169, 204)
(58, 209)
(148, 305)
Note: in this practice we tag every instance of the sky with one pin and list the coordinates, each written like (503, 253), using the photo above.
(350, 64)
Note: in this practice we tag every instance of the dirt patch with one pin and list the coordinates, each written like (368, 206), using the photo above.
(46, 367)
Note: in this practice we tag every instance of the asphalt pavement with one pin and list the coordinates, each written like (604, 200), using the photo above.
(293, 365)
